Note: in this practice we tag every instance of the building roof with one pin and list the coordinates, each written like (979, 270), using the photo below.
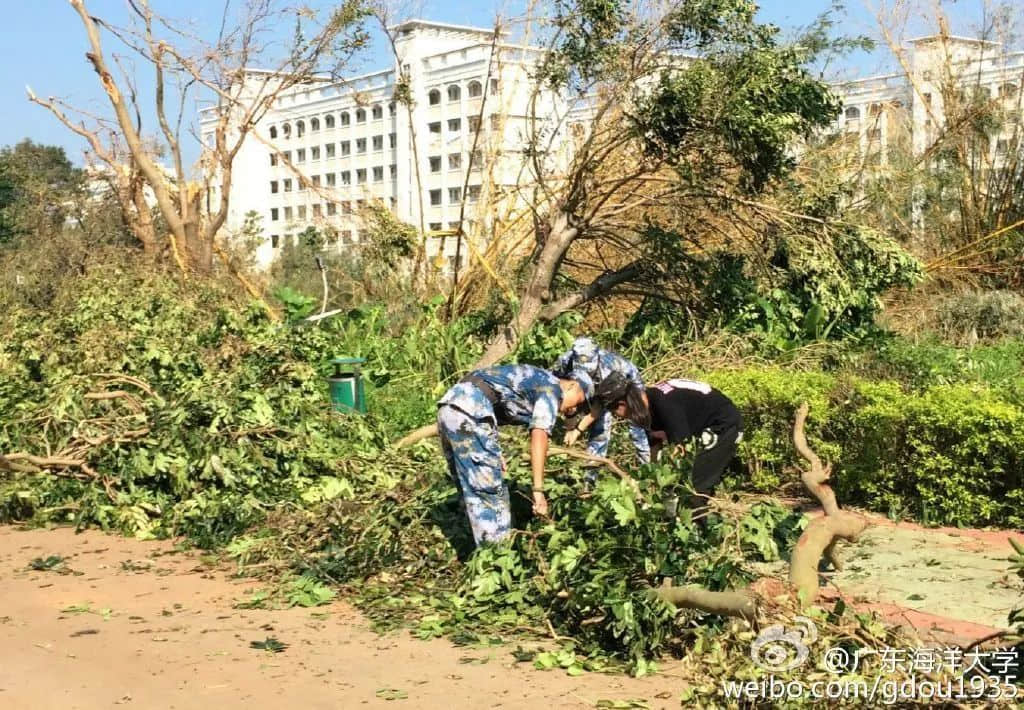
(954, 38)
(418, 23)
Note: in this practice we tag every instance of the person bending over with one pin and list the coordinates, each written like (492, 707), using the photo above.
(468, 416)
(683, 411)
(599, 364)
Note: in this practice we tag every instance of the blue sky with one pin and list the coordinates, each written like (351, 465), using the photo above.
(44, 46)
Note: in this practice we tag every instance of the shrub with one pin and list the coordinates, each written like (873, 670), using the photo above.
(981, 315)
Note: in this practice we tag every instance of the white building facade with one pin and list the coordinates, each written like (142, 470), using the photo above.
(328, 149)
(881, 110)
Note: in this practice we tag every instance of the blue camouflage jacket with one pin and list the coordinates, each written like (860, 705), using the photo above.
(529, 396)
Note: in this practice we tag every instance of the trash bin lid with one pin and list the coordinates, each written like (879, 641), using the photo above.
(348, 360)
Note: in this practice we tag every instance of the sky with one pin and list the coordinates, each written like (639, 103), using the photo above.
(44, 46)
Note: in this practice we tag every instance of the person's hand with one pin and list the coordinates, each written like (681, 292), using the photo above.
(540, 504)
(572, 436)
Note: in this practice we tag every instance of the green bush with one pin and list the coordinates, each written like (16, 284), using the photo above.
(951, 454)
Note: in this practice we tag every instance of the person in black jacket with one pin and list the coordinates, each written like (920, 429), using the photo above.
(682, 412)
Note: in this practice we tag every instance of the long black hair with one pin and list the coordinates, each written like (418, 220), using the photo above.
(616, 388)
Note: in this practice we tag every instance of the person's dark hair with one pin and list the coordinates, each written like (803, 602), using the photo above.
(616, 388)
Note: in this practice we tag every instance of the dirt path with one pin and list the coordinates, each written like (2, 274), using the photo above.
(139, 625)
(143, 627)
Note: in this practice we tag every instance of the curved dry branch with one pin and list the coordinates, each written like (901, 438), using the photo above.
(814, 479)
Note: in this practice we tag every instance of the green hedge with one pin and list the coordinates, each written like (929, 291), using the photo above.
(945, 454)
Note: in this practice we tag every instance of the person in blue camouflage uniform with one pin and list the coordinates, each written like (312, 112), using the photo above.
(468, 416)
(599, 363)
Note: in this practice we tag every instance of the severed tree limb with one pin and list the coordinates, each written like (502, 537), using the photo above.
(737, 603)
(425, 432)
(814, 479)
(819, 536)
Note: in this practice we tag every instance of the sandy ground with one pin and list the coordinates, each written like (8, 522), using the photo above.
(140, 625)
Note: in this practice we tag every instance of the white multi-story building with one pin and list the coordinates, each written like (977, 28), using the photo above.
(908, 106)
(327, 149)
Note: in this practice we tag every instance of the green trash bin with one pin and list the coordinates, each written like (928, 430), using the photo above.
(347, 393)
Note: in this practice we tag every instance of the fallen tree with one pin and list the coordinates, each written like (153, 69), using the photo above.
(817, 541)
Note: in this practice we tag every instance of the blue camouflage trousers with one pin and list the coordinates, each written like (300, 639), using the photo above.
(600, 434)
(471, 449)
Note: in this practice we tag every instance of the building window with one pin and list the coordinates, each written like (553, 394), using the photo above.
(434, 97)
(495, 121)
(346, 177)
(287, 156)
(331, 179)
(346, 148)
(434, 226)
(273, 159)
(874, 110)
(316, 209)
(302, 212)
(474, 124)
(435, 163)
(287, 213)
(329, 150)
(475, 89)
(360, 145)
(473, 193)
(454, 161)
(393, 202)
(329, 121)
(454, 92)
(1002, 145)
(393, 171)
(345, 119)
(362, 235)
(435, 197)
(875, 134)
(1007, 90)
(314, 125)
(273, 214)
(275, 241)
(301, 184)
(454, 124)
(286, 130)
(332, 209)
(300, 155)
(314, 152)
(287, 184)
(273, 187)
(316, 181)
(361, 176)
(378, 173)
(378, 112)
(454, 195)
(494, 86)
(927, 99)
(454, 226)
(346, 207)
(378, 143)
(273, 132)
(346, 236)
(300, 128)
(391, 109)
(434, 128)
(360, 115)
(476, 158)
(392, 140)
